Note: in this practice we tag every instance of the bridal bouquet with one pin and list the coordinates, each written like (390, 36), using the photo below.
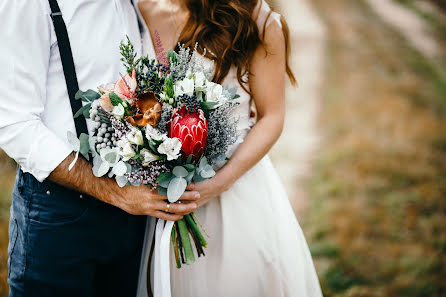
(163, 126)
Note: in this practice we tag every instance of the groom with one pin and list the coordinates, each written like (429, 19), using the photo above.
(71, 234)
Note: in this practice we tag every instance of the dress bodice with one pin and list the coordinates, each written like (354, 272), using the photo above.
(264, 17)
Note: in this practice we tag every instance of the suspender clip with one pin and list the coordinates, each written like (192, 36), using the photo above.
(54, 14)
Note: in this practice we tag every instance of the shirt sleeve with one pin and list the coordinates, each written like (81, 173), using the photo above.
(24, 58)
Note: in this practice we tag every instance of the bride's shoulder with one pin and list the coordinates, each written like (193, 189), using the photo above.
(265, 16)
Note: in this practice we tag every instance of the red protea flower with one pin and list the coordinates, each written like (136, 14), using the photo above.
(191, 128)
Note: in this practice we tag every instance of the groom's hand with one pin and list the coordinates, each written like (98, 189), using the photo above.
(134, 200)
(144, 201)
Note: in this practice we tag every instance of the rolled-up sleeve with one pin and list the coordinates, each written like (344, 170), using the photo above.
(24, 58)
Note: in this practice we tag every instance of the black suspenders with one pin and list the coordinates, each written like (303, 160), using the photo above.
(69, 69)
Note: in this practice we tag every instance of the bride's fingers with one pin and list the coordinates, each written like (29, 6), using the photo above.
(190, 187)
(190, 196)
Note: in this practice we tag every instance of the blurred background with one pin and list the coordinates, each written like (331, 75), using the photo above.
(363, 154)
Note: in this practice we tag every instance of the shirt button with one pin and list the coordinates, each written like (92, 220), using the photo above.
(81, 196)
(48, 192)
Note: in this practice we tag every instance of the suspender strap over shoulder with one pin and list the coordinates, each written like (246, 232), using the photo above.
(69, 69)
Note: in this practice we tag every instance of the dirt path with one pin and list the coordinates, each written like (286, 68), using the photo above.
(409, 25)
(292, 155)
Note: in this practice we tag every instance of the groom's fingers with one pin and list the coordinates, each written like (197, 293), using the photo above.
(175, 208)
(167, 216)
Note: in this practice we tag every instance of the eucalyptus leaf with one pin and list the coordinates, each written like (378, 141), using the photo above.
(111, 157)
(164, 179)
(82, 110)
(119, 169)
(207, 172)
(208, 105)
(180, 171)
(86, 113)
(203, 162)
(176, 188)
(84, 148)
(73, 141)
(162, 191)
(121, 180)
(87, 96)
(190, 176)
(198, 178)
(100, 168)
(189, 167)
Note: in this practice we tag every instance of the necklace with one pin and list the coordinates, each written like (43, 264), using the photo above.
(174, 21)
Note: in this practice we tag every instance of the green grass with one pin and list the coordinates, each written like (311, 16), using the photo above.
(377, 223)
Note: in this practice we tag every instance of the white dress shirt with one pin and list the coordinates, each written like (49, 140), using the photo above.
(35, 111)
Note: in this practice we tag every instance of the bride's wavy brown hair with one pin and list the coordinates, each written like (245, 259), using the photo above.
(229, 33)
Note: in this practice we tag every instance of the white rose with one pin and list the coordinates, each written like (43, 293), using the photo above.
(135, 137)
(171, 147)
(147, 157)
(215, 93)
(185, 86)
(200, 81)
(118, 111)
(155, 134)
(125, 149)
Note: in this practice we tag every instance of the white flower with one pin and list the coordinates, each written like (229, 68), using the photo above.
(171, 147)
(215, 93)
(118, 111)
(185, 86)
(125, 149)
(155, 134)
(147, 157)
(135, 137)
(200, 81)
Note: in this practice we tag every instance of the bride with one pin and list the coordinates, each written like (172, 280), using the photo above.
(257, 247)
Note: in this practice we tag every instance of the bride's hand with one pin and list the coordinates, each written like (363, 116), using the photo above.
(209, 189)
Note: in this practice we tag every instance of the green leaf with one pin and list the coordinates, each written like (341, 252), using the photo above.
(86, 113)
(111, 157)
(164, 179)
(189, 167)
(121, 180)
(87, 96)
(198, 178)
(84, 146)
(190, 177)
(180, 171)
(162, 191)
(207, 172)
(177, 187)
(82, 110)
(168, 87)
(114, 99)
(172, 55)
(185, 241)
(208, 105)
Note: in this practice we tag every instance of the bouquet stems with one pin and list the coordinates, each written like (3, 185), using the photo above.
(183, 230)
(185, 240)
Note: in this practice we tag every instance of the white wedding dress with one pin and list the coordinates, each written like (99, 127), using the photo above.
(256, 246)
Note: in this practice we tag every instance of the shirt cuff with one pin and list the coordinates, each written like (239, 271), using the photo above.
(46, 153)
